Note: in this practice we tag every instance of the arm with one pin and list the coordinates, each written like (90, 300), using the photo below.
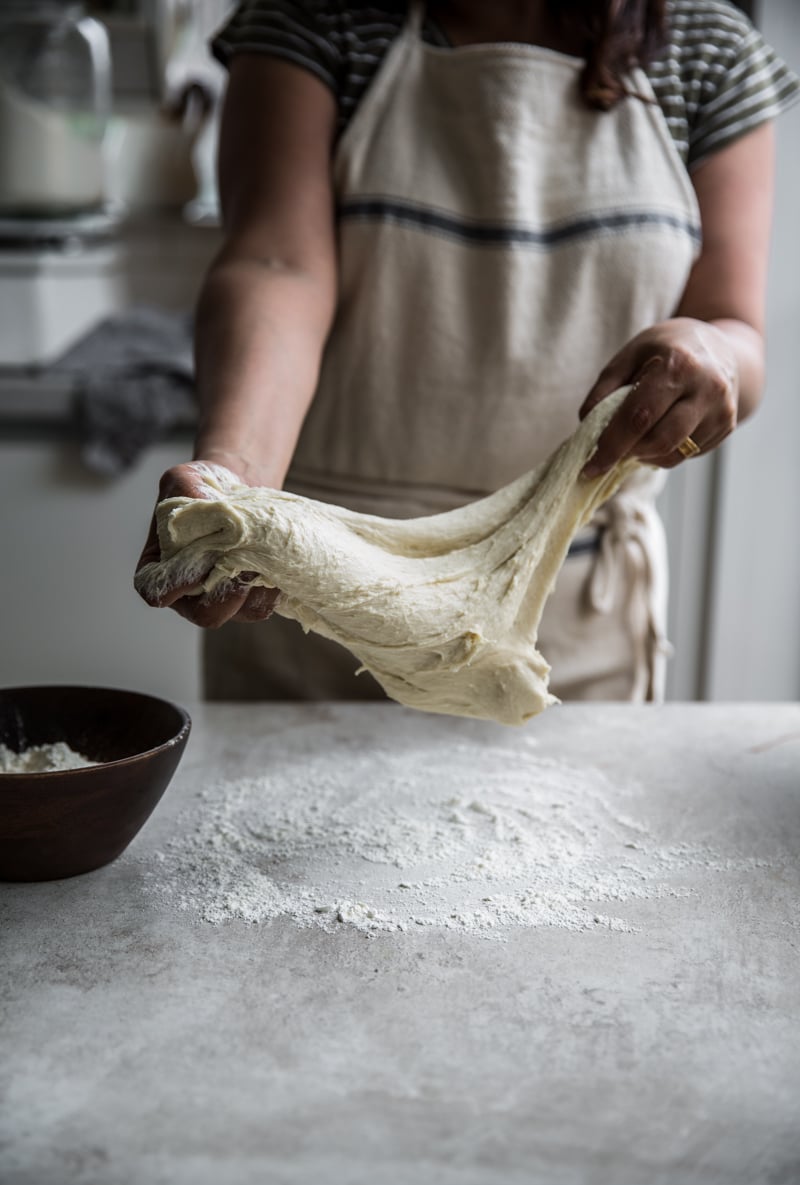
(702, 372)
(268, 299)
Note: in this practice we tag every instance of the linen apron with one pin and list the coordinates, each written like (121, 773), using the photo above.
(498, 243)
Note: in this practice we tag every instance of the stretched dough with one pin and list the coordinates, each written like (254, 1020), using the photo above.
(443, 610)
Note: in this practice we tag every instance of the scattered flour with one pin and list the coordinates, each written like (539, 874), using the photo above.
(40, 759)
(473, 839)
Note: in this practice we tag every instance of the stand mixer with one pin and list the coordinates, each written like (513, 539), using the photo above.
(58, 266)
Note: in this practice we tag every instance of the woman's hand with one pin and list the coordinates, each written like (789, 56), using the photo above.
(685, 380)
(233, 602)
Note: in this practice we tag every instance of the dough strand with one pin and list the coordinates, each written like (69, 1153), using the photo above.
(443, 610)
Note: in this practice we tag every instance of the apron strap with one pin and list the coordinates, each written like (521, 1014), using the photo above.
(416, 16)
(632, 541)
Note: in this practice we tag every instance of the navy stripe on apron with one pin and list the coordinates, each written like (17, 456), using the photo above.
(584, 546)
(405, 213)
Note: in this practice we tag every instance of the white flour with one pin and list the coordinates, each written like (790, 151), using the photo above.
(465, 838)
(40, 759)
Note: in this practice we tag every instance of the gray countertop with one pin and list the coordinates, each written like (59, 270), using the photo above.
(143, 1044)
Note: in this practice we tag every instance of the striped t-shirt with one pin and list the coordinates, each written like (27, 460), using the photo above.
(715, 79)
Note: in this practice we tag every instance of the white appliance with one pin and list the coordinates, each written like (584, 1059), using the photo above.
(51, 294)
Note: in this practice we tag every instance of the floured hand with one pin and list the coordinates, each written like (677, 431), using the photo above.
(232, 600)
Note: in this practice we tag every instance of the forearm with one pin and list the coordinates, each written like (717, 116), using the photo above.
(727, 287)
(260, 332)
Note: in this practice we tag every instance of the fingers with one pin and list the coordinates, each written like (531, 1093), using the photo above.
(205, 613)
(704, 442)
(685, 383)
(627, 367)
(232, 601)
(617, 374)
(679, 421)
(668, 402)
(236, 599)
(178, 592)
(259, 605)
(707, 415)
(189, 480)
(151, 552)
(655, 391)
(259, 602)
(154, 594)
(179, 481)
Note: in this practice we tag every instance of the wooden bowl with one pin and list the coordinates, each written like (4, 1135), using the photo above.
(66, 822)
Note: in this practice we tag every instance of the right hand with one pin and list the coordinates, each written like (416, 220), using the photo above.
(233, 602)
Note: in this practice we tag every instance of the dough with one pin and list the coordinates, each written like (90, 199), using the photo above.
(443, 610)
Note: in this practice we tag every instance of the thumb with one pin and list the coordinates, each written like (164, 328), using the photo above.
(624, 370)
(618, 373)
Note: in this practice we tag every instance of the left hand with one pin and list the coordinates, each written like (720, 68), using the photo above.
(685, 383)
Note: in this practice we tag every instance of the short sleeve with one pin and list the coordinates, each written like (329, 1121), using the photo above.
(732, 80)
(306, 33)
(341, 42)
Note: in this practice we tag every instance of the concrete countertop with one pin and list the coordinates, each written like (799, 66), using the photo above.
(144, 1045)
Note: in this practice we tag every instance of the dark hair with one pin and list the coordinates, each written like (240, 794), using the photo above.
(617, 34)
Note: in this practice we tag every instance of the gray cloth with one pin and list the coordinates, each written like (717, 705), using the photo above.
(133, 381)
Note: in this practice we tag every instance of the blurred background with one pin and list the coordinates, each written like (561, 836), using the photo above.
(108, 219)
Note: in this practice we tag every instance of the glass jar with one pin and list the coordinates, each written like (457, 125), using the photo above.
(55, 98)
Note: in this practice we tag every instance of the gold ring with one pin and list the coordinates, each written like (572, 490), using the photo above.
(689, 448)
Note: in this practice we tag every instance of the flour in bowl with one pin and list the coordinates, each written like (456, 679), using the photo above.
(40, 759)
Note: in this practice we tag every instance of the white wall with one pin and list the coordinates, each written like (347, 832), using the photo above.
(69, 610)
(733, 520)
(754, 643)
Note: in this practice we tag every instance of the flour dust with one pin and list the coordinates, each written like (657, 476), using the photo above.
(460, 838)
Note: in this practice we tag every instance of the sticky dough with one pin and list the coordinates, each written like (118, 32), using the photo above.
(443, 610)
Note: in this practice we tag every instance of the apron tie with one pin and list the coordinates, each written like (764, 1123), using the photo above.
(632, 541)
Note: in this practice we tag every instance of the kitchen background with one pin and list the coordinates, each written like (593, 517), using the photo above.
(131, 235)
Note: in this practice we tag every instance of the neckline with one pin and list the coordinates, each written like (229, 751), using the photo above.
(520, 48)
(416, 22)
